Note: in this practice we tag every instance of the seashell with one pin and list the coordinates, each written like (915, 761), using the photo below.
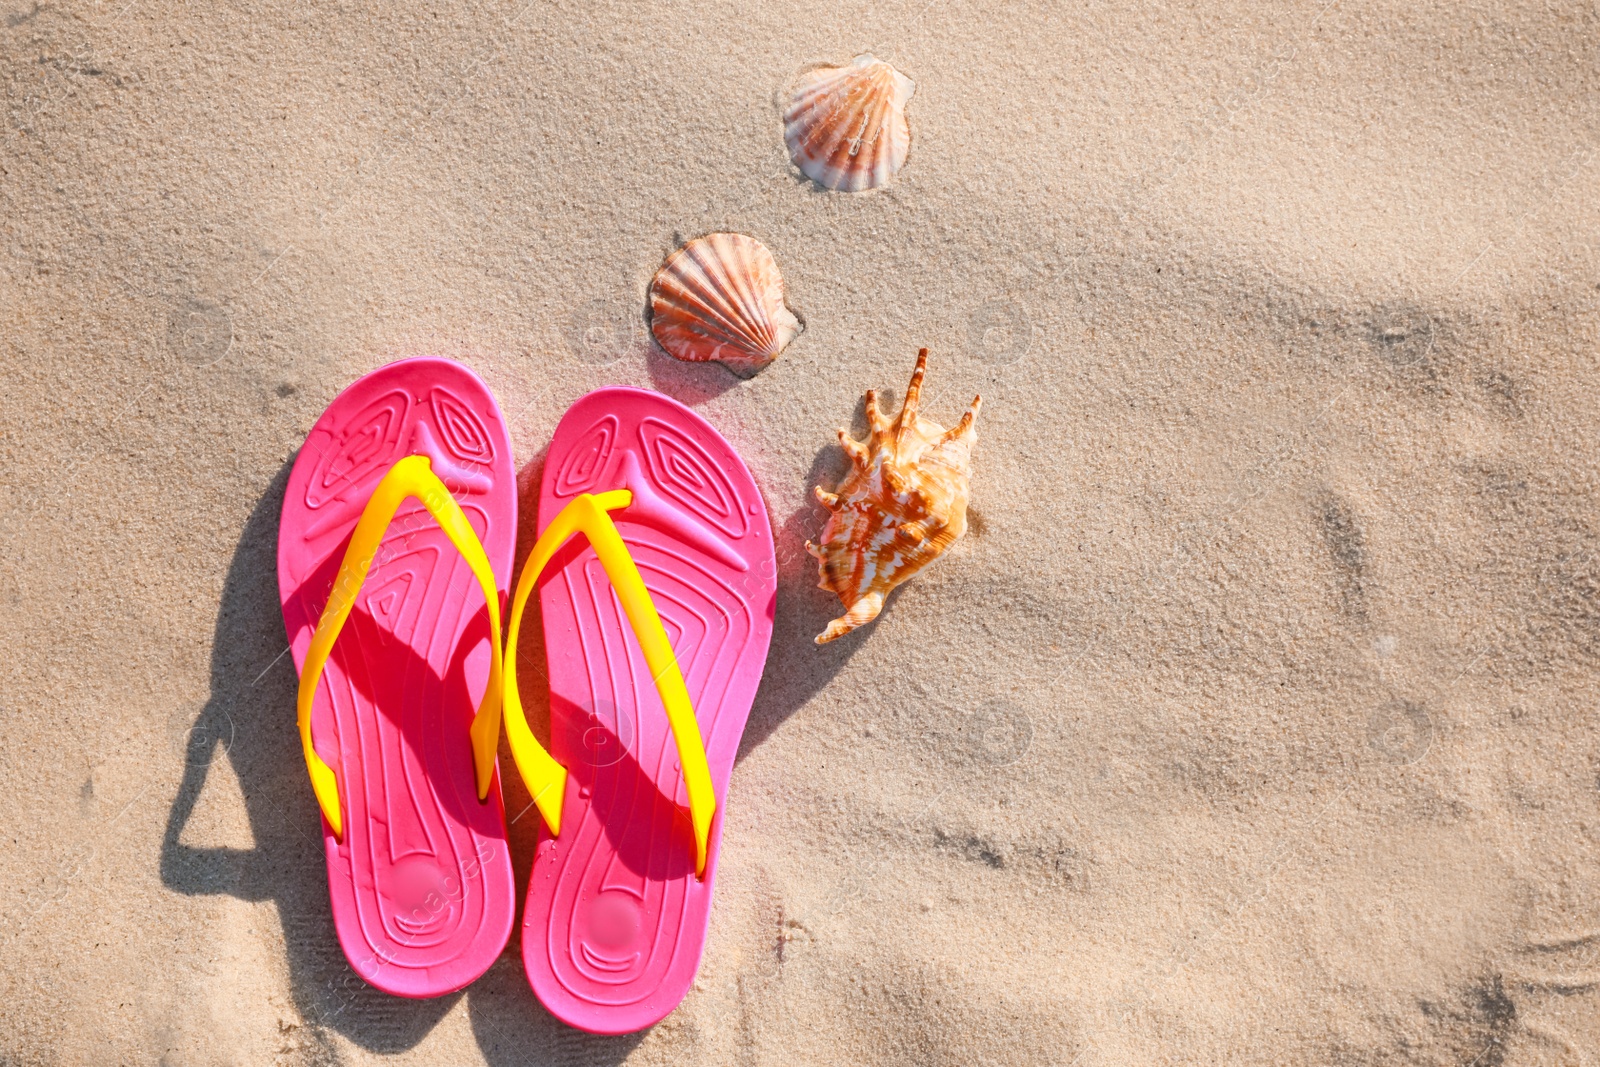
(902, 504)
(846, 126)
(721, 297)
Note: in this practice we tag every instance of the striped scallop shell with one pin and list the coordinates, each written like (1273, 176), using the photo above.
(721, 297)
(902, 504)
(846, 126)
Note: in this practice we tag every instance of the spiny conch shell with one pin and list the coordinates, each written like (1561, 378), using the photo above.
(846, 126)
(902, 504)
(721, 297)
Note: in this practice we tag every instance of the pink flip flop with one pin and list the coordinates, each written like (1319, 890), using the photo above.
(650, 685)
(374, 542)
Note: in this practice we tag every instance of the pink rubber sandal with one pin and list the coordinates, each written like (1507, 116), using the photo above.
(656, 626)
(372, 541)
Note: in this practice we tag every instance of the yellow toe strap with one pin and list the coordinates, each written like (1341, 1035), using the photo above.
(410, 477)
(546, 779)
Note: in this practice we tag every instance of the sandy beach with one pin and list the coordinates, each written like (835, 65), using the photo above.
(1252, 722)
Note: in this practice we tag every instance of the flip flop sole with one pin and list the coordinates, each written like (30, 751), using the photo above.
(616, 920)
(421, 886)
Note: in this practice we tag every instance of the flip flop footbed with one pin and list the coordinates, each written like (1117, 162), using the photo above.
(421, 885)
(616, 918)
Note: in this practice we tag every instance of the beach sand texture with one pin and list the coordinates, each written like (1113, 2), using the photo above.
(1253, 721)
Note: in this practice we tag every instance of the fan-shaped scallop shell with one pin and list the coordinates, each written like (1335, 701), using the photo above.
(721, 297)
(846, 126)
(902, 504)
